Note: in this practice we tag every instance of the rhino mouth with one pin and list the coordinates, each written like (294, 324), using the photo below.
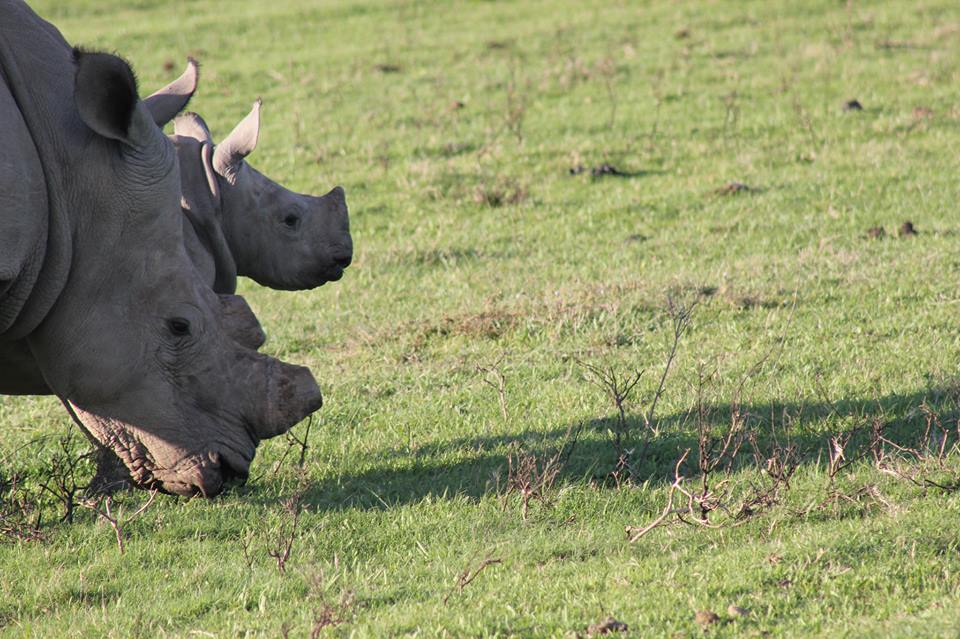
(320, 277)
(154, 463)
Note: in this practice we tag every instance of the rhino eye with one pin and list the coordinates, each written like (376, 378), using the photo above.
(178, 326)
(291, 221)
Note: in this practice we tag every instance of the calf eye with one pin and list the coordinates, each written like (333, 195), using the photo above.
(291, 221)
(178, 326)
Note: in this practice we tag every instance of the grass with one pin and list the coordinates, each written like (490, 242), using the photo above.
(453, 127)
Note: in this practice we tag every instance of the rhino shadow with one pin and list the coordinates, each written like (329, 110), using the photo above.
(593, 456)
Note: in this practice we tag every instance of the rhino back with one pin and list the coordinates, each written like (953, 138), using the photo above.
(45, 132)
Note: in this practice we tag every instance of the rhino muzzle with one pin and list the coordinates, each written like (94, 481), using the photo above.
(201, 458)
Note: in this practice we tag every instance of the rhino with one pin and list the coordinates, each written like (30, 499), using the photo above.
(100, 304)
(238, 222)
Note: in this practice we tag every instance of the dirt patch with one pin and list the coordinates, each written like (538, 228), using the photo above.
(733, 188)
(876, 233)
(606, 627)
(490, 324)
(706, 618)
(907, 229)
(498, 194)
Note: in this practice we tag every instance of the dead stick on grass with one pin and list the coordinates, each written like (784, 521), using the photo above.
(681, 321)
(466, 577)
(114, 521)
(636, 533)
(498, 383)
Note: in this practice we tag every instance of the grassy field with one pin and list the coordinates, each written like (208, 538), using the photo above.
(484, 254)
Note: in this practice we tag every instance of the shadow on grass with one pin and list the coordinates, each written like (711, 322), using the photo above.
(474, 467)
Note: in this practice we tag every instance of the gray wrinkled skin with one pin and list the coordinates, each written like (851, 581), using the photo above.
(99, 302)
(242, 222)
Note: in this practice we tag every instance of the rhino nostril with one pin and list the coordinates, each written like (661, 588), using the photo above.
(343, 261)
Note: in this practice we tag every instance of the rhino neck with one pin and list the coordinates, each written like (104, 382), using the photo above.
(209, 252)
(203, 234)
(37, 70)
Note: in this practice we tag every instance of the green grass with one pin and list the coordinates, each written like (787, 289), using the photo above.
(407, 453)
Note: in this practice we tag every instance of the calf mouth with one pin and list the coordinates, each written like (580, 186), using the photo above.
(328, 273)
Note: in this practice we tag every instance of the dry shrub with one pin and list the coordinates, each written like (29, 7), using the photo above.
(531, 475)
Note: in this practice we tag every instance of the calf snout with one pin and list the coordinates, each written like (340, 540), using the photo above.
(342, 259)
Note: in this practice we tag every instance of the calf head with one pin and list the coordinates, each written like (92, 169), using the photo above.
(279, 238)
(141, 349)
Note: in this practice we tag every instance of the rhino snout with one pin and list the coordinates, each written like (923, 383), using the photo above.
(342, 259)
(293, 395)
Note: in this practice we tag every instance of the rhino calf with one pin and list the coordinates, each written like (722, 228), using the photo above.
(240, 222)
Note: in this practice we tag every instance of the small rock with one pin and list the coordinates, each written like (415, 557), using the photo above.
(907, 229)
(876, 233)
(605, 627)
(852, 105)
(785, 583)
(387, 68)
(577, 170)
(737, 611)
(168, 65)
(456, 104)
(605, 169)
(707, 617)
(682, 34)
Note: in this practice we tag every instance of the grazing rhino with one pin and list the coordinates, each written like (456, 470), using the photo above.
(99, 302)
(238, 221)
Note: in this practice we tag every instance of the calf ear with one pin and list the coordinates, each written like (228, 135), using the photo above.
(166, 103)
(206, 158)
(239, 144)
(105, 92)
(191, 125)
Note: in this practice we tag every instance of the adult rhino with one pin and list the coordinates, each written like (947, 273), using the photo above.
(97, 293)
(240, 222)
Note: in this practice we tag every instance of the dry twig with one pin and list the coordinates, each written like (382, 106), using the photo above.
(117, 522)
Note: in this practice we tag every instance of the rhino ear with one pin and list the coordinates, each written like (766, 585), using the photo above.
(166, 103)
(191, 125)
(239, 144)
(105, 92)
(206, 158)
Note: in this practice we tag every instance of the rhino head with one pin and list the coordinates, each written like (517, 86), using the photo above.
(145, 353)
(278, 238)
